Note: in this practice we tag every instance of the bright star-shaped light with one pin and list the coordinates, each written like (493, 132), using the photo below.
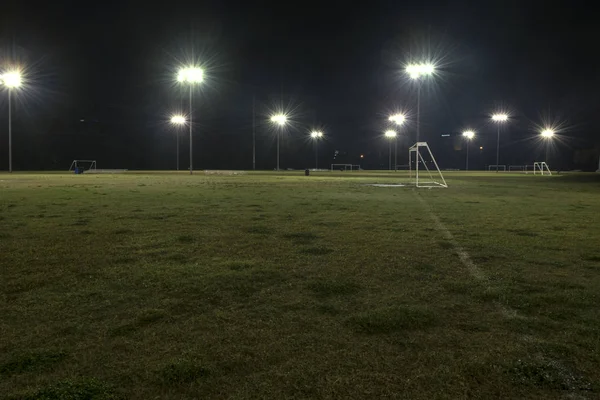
(279, 119)
(500, 117)
(190, 75)
(11, 79)
(316, 134)
(469, 134)
(178, 119)
(547, 133)
(415, 71)
(390, 134)
(398, 119)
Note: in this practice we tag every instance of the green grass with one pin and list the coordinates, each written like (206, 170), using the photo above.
(172, 286)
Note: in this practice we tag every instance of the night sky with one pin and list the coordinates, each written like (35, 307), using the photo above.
(100, 81)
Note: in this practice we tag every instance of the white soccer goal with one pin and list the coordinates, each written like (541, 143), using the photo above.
(82, 166)
(497, 168)
(426, 166)
(341, 167)
(520, 168)
(541, 168)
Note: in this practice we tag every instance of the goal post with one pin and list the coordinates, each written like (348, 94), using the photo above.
(341, 167)
(432, 176)
(81, 166)
(541, 168)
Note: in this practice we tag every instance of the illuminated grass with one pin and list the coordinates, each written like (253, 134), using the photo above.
(284, 286)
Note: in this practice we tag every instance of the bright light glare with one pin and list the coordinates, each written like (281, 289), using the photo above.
(398, 119)
(469, 134)
(390, 134)
(190, 75)
(415, 71)
(316, 134)
(500, 117)
(279, 119)
(11, 79)
(178, 119)
(547, 133)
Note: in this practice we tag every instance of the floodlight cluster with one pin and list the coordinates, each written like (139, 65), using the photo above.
(398, 119)
(178, 119)
(469, 134)
(415, 71)
(547, 133)
(316, 134)
(390, 134)
(279, 119)
(500, 117)
(190, 75)
(11, 79)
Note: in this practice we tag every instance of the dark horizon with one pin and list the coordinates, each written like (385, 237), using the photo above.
(101, 82)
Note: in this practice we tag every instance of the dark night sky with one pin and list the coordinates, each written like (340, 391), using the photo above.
(338, 64)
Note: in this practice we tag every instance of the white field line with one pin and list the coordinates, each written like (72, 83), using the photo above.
(464, 257)
(478, 274)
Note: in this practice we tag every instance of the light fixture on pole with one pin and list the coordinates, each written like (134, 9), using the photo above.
(468, 135)
(12, 80)
(178, 120)
(390, 134)
(280, 120)
(316, 136)
(547, 134)
(190, 76)
(499, 119)
(417, 72)
(399, 120)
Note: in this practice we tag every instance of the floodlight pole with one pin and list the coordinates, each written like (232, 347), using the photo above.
(498, 149)
(177, 138)
(191, 151)
(547, 146)
(278, 133)
(395, 153)
(253, 132)
(316, 154)
(390, 166)
(9, 132)
(467, 154)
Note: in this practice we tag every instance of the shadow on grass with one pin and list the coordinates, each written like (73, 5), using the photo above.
(32, 362)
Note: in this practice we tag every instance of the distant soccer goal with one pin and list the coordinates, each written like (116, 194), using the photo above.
(515, 168)
(541, 168)
(356, 167)
(497, 168)
(426, 170)
(81, 166)
(341, 167)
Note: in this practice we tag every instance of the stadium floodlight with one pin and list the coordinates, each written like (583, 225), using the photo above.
(416, 71)
(547, 134)
(398, 119)
(281, 120)
(316, 136)
(468, 135)
(390, 134)
(177, 120)
(12, 80)
(190, 75)
(499, 118)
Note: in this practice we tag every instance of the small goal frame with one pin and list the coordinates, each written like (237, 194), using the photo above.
(75, 164)
(346, 167)
(541, 168)
(418, 157)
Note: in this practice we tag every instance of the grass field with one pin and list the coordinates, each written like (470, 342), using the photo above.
(173, 286)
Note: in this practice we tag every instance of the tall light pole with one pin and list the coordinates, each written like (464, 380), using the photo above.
(390, 135)
(398, 119)
(468, 135)
(12, 80)
(177, 120)
(417, 72)
(280, 120)
(316, 136)
(191, 76)
(499, 119)
(547, 134)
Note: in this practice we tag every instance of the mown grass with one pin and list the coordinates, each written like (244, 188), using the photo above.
(283, 286)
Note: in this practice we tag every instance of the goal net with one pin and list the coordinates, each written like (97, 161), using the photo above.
(541, 168)
(497, 168)
(81, 166)
(341, 167)
(426, 170)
